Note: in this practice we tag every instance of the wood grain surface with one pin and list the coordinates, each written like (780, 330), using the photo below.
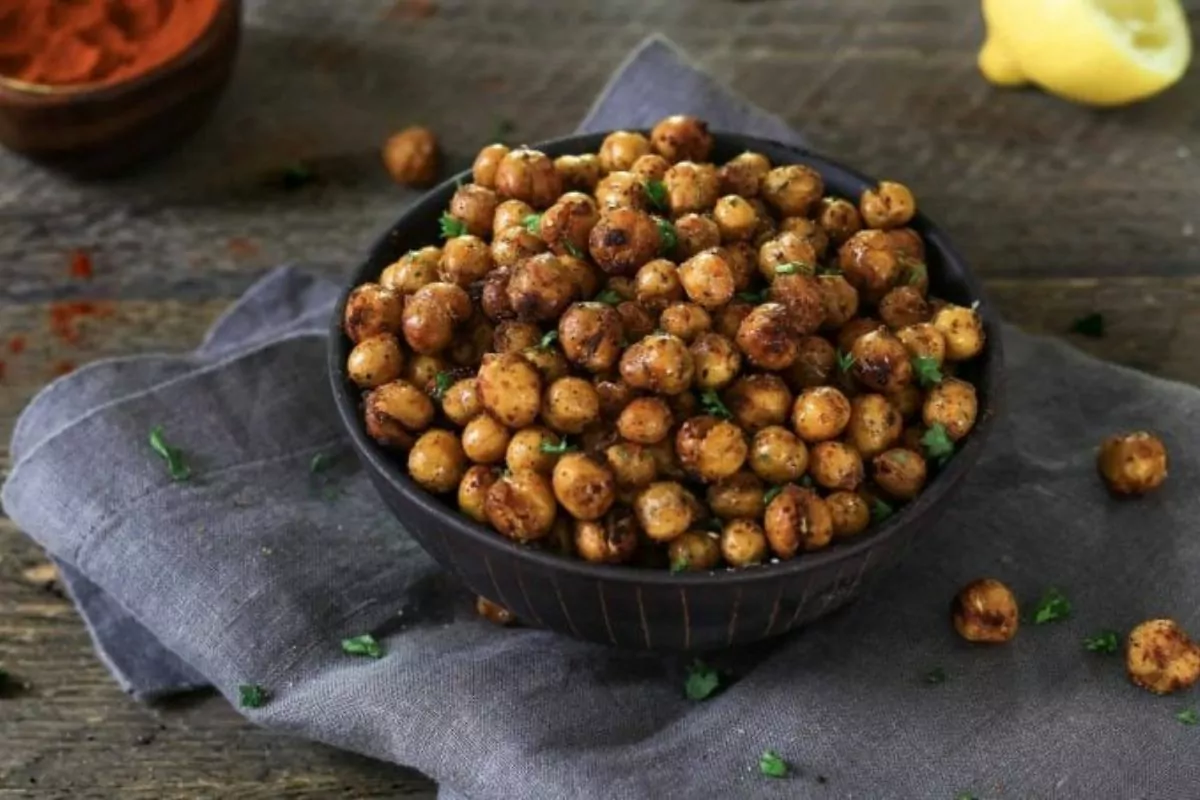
(1063, 211)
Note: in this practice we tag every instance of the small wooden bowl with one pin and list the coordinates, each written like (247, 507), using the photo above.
(91, 130)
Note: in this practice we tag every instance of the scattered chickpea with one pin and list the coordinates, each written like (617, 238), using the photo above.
(1161, 658)
(985, 610)
(1133, 463)
(411, 156)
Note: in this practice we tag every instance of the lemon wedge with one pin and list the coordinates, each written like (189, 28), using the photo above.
(1098, 52)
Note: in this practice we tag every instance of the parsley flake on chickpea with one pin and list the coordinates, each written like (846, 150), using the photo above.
(641, 357)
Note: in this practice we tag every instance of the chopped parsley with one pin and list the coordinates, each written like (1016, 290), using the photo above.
(880, 510)
(806, 480)
(549, 448)
(172, 455)
(1102, 642)
(927, 371)
(441, 385)
(918, 273)
(702, 681)
(667, 236)
(570, 247)
(830, 270)
(752, 297)
(364, 645)
(772, 765)
(321, 462)
(937, 443)
(711, 402)
(792, 267)
(965, 796)
(975, 305)
(452, 226)
(845, 361)
(680, 563)
(935, 676)
(251, 695)
(548, 340)
(656, 193)
(1188, 716)
(608, 297)
(533, 224)
(1054, 606)
(772, 493)
(1091, 325)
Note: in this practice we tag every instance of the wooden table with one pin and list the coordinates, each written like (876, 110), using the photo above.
(1063, 210)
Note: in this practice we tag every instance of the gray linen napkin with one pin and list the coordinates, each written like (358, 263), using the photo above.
(254, 570)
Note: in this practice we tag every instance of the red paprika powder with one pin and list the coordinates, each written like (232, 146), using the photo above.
(62, 42)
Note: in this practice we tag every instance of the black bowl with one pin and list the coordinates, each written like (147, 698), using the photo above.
(655, 609)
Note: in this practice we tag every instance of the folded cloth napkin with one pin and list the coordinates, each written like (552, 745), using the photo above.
(252, 571)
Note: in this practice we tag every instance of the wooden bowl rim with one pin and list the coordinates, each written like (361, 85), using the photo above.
(990, 386)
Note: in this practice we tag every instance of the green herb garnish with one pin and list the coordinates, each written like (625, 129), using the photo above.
(1102, 642)
(792, 267)
(752, 297)
(656, 193)
(965, 796)
(533, 224)
(364, 645)
(172, 455)
(1054, 606)
(548, 340)
(251, 695)
(935, 676)
(680, 563)
(608, 297)
(441, 385)
(772, 765)
(806, 481)
(772, 493)
(927, 371)
(918, 273)
(1091, 325)
(937, 443)
(503, 129)
(570, 247)
(1188, 716)
(552, 449)
(831, 270)
(711, 402)
(667, 235)
(452, 226)
(880, 510)
(321, 462)
(845, 361)
(702, 681)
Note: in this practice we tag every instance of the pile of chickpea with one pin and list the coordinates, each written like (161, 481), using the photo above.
(640, 357)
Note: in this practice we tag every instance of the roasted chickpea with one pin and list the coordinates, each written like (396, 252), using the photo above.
(813, 366)
(664, 510)
(743, 175)
(657, 284)
(411, 156)
(621, 190)
(801, 295)
(623, 240)
(465, 259)
(521, 505)
(485, 440)
(691, 188)
(651, 167)
(549, 361)
(614, 395)
(534, 448)
(899, 472)
(493, 297)
(743, 543)
(645, 420)
(483, 171)
(963, 330)
(658, 363)
(903, 306)
(881, 361)
(787, 253)
(808, 230)
(694, 551)
(473, 489)
(922, 340)
(665, 461)
(371, 310)
(953, 405)
(430, 316)
(908, 400)
(528, 175)
(395, 410)
(1132, 463)
(841, 300)
(579, 173)
(870, 264)
(838, 218)
(758, 401)
(889, 205)
(768, 337)
(494, 612)
(709, 448)
(510, 388)
(875, 424)
(375, 360)
(716, 360)
(612, 540)
(414, 269)
(511, 214)
(461, 403)
(797, 519)
(739, 496)
(423, 370)
(685, 320)
(583, 486)
(514, 244)
(736, 218)
(474, 206)
(728, 319)
(571, 404)
(768, 226)
(511, 336)
(708, 279)
(539, 289)
(682, 138)
(636, 320)
(850, 514)
(620, 149)
(590, 336)
(793, 189)
(820, 413)
(985, 610)
(437, 461)
(1160, 657)
(695, 233)
(855, 329)
(777, 455)
(835, 465)
(565, 226)
(582, 274)
(632, 464)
